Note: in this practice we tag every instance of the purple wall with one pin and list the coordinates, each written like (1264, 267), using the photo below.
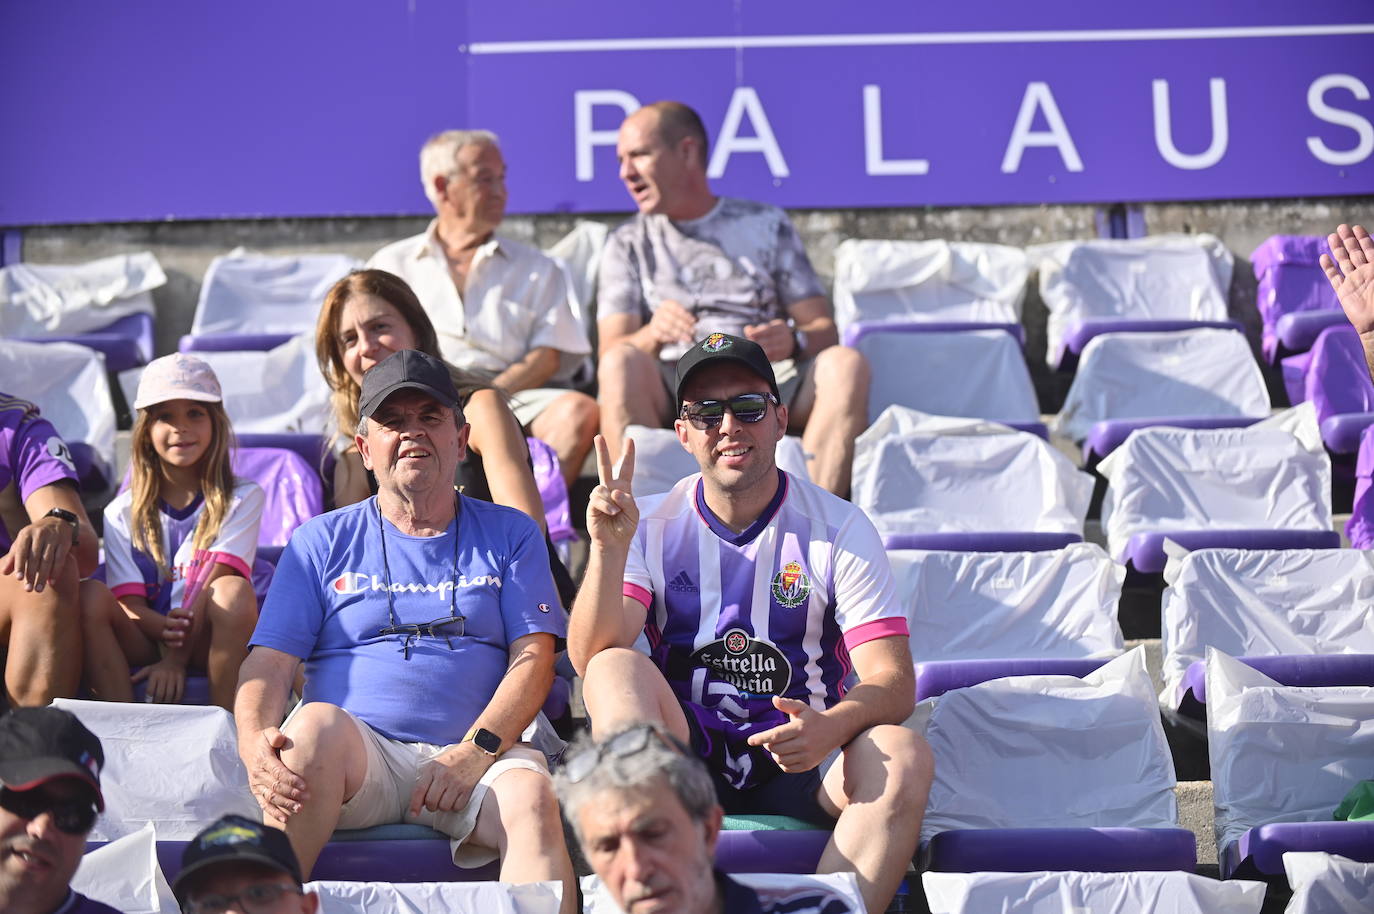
(186, 110)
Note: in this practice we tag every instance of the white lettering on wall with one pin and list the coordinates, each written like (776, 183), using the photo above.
(1038, 97)
(585, 139)
(1363, 130)
(1164, 128)
(746, 100)
(874, 163)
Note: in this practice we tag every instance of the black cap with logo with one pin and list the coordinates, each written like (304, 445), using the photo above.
(40, 744)
(235, 839)
(407, 369)
(722, 347)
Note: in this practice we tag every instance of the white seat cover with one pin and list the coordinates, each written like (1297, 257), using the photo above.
(833, 893)
(1050, 752)
(1281, 753)
(1249, 602)
(580, 253)
(1000, 605)
(246, 292)
(41, 300)
(915, 473)
(68, 384)
(933, 280)
(426, 897)
(1328, 884)
(1062, 893)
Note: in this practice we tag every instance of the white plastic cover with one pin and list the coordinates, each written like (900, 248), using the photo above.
(774, 889)
(1165, 277)
(125, 875)
(176, 766)
(1249, 602)
(934, 280)
(915, 473)
(1050, 752)
(428, 897)
(1281, 753)
(1328, 884)
(1206, 372)
(247, 292)
(977, 605)
(1082, 893)
(1261, 477)
(660, 460)
(976, 373)
(41, 300)
(580, 252)
(68, 384)
(281, 390)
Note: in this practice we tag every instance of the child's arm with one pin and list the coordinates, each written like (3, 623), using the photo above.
(167, 677)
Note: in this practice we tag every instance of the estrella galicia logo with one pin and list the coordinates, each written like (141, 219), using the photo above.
(58, 450)
(752, 667)
(350, 582)
(791, 586)
(715, 343)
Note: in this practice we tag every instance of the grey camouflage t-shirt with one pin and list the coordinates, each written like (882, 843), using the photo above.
(742, 263)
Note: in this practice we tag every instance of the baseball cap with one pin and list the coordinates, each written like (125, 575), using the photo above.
(177, 377)
(408, 368)
(40, 744)
(235, 839)
(722, 347)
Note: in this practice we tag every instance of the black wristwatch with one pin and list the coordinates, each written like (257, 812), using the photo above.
(485, 740)
(69, 517)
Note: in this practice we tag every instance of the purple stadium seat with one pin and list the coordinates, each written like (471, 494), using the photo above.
(1080, 335)
(1261, 850)
(91, 472)
(1028, 850)
(1294, 298)
(553, 491)
(1106, 436)
(1293, 670)
(1334, 376)
(1010, 541)
(936, 677)
(1360, 527)
(292, 487)
(313, 448)
(1145, 551)
(231, 342)
(1296, 332)
(126, 343)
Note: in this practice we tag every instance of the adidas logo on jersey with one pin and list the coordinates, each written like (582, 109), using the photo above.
(683, 584)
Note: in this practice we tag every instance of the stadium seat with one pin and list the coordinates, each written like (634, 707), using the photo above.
(1078, 776)
(1254, 603)
(254, 301)
(1032, 893)
(292, 486)
(1334, 377)
(1263, 487)
(1360, 527)
(1327, 883)
(939, 281)
(1161, 283)
(1294, 299)
(661, 461)
(951, 478)
(553, 491)
(1282, 759)
(1200, 373)
(1108, 435)
(580, 253)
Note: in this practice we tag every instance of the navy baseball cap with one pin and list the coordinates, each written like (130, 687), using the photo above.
(236, 839)
(38, 745)
(722, 347)
(407, 369)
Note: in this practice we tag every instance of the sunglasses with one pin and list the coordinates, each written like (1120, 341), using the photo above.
(73, 816)
(448, 628)
(625, 743)
(707, 414)
(256, 899)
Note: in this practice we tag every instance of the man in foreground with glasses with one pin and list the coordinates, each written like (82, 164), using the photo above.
(50, 770)
(427, 622)
(647, 818)
(238, 866)
(756, 592)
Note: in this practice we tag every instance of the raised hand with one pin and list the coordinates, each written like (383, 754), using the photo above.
(1350, 268)
(612, 515)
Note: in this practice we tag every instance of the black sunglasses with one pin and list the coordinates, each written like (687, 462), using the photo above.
(626, 742)
(73, 816)
(707, 414)
(447, 627)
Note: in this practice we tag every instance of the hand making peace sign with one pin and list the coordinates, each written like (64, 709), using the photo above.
(612, 514)
(1353, 250)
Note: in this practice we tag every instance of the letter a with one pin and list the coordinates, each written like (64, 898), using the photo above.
(1038, 97)
(745, 100)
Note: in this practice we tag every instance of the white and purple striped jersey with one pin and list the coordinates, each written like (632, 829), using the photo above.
(734, 619)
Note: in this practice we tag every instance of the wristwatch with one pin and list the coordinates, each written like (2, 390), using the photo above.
(69, 517)
(485, 740)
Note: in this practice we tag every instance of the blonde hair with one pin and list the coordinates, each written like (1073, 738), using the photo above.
(146, 471)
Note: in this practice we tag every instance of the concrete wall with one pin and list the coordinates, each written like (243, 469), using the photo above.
(186, 248)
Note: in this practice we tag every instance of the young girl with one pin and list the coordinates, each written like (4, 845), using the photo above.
(179, 548)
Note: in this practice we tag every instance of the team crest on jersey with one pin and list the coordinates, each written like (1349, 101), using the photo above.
(715, 343)
(791, 586)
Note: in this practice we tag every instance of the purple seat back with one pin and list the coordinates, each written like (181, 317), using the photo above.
(126, 343)
(292, 486)
(1028, 850)
(553, 491)
(1290, 282)
(1360, 527)
(1337, 380)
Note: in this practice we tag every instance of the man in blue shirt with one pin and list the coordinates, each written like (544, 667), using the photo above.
(427, 622)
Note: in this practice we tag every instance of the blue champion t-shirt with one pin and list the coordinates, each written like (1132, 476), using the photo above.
(328, 601)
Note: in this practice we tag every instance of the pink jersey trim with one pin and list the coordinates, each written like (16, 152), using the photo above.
(639, 594)
(233, 561)
(131, 590)
(878, 628)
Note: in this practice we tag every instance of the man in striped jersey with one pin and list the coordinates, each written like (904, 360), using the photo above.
(756, 593)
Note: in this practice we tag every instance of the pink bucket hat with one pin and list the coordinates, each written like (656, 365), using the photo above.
(177, 377)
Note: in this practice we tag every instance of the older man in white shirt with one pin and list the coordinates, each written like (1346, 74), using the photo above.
(502, 309)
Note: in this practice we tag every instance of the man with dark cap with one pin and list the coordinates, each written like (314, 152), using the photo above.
(427, 623)
(238, 866)
(50, 771)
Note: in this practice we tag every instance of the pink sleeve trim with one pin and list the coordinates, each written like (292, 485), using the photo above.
(233, 561)
(131, 590)
(639, 594)
(872, 631)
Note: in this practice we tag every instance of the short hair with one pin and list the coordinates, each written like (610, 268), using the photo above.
(686, 775)
(676, 120)
(439, 155)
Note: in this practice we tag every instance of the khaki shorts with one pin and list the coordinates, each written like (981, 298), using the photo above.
(392, 770)
(528, 404)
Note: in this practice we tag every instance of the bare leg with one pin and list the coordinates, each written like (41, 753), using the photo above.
(631, 394)
(879, 789)
(113, 641)
(519, 817)
(831, 409)
(622, 687)
(231, 612)
(568, 425)
(325, 748)
(42, 634)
